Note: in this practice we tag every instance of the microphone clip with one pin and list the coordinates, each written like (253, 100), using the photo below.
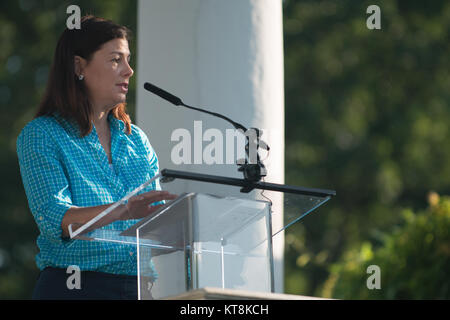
(252, 167)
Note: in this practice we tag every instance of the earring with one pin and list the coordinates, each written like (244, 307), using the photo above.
(80, 77)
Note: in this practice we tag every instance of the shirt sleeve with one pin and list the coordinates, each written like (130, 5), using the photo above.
(44, 180)
(153, 160)
(154, 164)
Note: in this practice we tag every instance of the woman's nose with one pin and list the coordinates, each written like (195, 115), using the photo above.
(128, 70)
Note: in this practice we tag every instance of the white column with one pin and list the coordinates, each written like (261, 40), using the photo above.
(224, 56)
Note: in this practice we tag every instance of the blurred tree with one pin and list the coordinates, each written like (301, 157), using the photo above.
(29, 31)
(366, 115)
(414, 260)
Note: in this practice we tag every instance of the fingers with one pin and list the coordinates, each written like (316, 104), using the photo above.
(139, 206)
(152, 209)
(154, 196)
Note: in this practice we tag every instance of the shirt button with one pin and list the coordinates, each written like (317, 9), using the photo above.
(131, 253)
(41, 218)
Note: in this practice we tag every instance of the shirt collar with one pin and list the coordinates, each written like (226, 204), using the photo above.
(116, 123)
(71, 126)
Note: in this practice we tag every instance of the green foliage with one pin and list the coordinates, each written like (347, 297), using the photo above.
(414, 260)
(29, 31)
(367, 114)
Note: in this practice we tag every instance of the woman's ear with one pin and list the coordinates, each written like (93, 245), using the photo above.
(79, 64)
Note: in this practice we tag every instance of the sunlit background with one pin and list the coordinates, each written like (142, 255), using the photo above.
(367, 115)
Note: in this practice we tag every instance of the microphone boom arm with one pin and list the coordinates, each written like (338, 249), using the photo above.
(252, 172)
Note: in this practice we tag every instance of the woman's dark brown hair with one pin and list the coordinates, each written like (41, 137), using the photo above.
(67, 95)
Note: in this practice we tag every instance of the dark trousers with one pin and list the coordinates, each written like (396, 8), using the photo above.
(53, 284)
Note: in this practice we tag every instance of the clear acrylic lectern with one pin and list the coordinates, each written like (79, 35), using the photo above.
(204, 240)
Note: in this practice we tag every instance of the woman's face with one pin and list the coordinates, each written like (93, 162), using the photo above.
(107, 75)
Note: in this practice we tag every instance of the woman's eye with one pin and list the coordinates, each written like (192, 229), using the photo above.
(117, 60)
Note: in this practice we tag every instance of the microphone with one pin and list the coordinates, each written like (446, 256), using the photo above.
(177, 101)
(252, 172)
(163, 94)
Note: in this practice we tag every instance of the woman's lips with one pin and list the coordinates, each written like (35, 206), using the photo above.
(123, 87)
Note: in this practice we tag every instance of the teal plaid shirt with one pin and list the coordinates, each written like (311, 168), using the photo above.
(60, 169)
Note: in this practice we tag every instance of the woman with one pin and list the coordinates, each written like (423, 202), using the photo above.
(80, 155)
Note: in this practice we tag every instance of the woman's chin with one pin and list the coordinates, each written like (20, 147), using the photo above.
(120, 98)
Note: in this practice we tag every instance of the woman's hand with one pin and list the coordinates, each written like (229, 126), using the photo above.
(139, 206)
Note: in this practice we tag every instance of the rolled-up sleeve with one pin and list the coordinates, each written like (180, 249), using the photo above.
(154, 164)
(44, 180)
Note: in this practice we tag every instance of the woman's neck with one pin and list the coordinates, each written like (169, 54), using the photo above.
(100, 120)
